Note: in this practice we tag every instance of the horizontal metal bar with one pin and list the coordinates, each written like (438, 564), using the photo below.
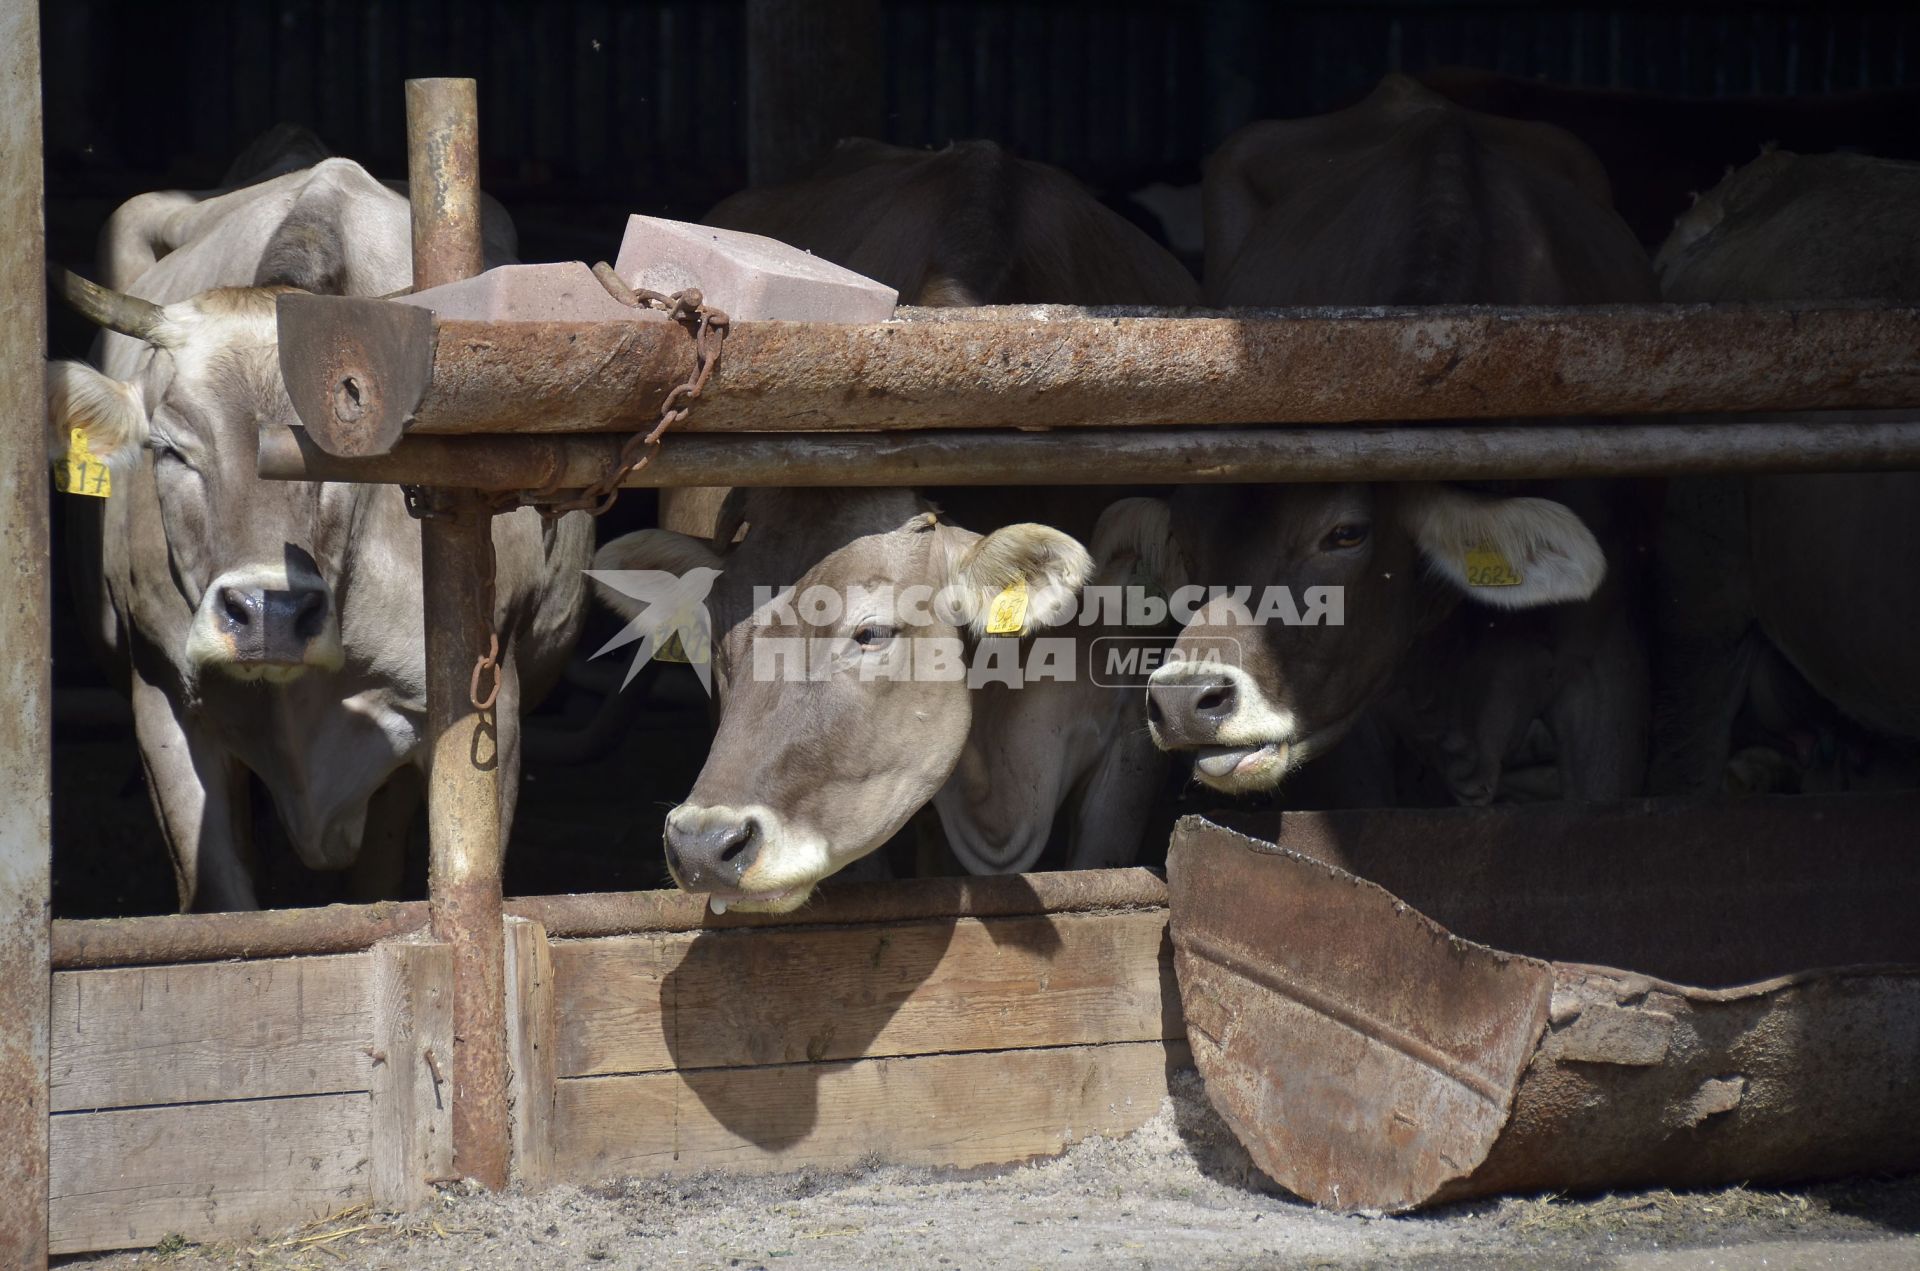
(272, 933)
(103, 942)
(1111, 456)
(905, 900)
(360, 374)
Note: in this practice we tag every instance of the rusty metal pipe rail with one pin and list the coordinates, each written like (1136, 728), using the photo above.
(362, 373)
(80, 944)
(1111, 456)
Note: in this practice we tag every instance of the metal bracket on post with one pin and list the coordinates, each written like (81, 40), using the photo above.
(456, 542)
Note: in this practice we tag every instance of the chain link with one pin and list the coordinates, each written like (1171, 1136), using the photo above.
(709, 327)
(489, 662)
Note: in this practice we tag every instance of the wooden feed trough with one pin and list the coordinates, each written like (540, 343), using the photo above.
(962, 1023)
(953, 1022)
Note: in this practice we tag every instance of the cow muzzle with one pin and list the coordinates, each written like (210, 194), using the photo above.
(1241, 740)
(266, 623)
(742, 857)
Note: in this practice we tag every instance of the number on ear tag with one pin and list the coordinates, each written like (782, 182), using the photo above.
(1008, 615)
(81, 473)
(1486, 567)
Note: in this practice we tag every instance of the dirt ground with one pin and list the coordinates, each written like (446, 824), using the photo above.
(1179, 1193)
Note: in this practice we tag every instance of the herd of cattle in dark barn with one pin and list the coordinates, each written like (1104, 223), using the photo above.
(1496, 642)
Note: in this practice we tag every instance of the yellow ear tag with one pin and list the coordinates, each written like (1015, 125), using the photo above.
(1486, 567)
(671, 650)
(81, 473)
(1008, 616)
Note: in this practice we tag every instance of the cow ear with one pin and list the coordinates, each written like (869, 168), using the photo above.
(658, 550)
(1018, 579)
(107, 411)
(1509, 553)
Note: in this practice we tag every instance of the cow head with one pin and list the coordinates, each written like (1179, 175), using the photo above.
(241, 551)
(1263, 679)
(842, 696)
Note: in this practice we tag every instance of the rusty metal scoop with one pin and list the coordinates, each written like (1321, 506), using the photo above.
(1370, 1058)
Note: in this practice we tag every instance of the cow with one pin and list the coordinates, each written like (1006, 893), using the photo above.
(1660, 150)
(805, 778)
(1790, 600)
(1407, 200)
(261, 627)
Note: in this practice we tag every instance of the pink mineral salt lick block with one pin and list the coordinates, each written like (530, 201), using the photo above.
(750, 277)
(563, 292)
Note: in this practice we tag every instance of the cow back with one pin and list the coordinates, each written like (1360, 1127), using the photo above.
(1409, 199)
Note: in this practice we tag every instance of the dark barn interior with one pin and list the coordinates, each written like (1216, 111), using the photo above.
(592, 109)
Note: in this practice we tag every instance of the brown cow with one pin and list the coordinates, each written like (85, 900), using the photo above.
(804, 778)
(1406, 199)
(1818, 570)
(1660, 150)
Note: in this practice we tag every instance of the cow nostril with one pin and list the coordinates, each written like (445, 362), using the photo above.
(235, 607)
(311, 615)
(1155, 716)
(742, 838)
(1215, 699)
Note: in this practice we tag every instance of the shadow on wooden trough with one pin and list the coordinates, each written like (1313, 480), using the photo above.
(1528, 999)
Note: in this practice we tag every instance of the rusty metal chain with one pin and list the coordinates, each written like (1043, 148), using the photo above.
(709, 327)
(489, 662)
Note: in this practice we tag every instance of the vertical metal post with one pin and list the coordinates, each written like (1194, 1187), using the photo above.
(26, 691)
(456, 557)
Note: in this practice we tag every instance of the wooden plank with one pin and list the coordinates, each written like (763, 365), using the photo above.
(26, 727)
(957, 1111)
(727, 998)
(530, 1050)
(410, 1111)
(223, 1030)
(208, 1171)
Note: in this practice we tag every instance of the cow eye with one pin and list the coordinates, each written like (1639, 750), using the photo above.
(1345, 536)
(872, 635)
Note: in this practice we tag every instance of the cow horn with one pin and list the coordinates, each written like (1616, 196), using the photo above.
(114, 310)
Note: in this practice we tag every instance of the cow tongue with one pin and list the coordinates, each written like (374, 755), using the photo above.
(1222, 761)
(719, 903)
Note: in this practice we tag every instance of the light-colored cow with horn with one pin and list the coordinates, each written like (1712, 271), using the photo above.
(270, 628)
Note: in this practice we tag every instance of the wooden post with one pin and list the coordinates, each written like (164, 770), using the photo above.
(530, 1048)
(26, 694)
(456, 559)
(409, 1134)
(815, 74)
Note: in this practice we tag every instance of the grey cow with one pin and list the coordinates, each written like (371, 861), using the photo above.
(805, 778)
(265, 627)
